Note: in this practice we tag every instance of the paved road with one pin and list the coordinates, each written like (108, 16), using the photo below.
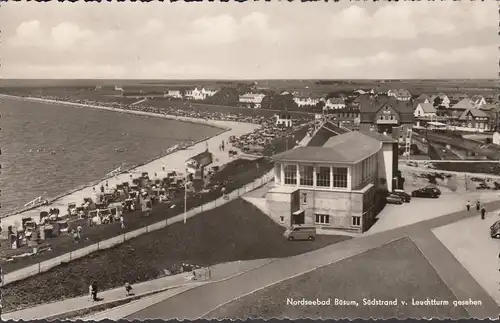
(210, 296)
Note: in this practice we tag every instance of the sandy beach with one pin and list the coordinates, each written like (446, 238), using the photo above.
(174, 161)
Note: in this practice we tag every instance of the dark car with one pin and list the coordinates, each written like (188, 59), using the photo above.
(495, 230)
(434, 188)
(403, 195)
(394, 199)
(427, 192)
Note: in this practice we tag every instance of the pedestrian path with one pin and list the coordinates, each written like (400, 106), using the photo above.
(185, 280)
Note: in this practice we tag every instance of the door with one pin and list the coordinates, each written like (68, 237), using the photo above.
(298, 217)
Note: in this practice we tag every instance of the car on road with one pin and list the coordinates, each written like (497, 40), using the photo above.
(403, 195)
(434, 188)
(426, 192)
(495, 230)
(394, 199)
(300, 232)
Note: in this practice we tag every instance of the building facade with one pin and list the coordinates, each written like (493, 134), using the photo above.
(384, 113)
(335, 186)
(251, 100)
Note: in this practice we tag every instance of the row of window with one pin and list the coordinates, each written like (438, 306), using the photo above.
(324, 176)
(325, 219)
(387, 117)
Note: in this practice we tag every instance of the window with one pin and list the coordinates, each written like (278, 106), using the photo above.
(282, 219)
(340, 177)
(323, 176)
(304, 198)
(306, 175)
(322, 218)
(381, 117)
(356, 221)
(291, 174)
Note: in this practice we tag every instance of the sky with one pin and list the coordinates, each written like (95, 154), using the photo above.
(254, 40)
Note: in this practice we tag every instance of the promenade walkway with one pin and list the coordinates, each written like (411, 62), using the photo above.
(181, 282)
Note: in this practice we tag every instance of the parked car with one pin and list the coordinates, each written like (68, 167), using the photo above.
(495, 230)
(403, 195)
(434, 188)
(394, 199)
(427, 192)
(300, 232)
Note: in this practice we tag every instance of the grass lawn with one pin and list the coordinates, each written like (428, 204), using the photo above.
(396, 270)
(234, 231)
(232, 174)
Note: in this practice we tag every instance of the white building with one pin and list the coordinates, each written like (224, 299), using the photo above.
(173, 94)
(334, 104)
(284, 120)
(251, 100)
(302, 99)
(400, 94)
(425, 110)
(209, 91)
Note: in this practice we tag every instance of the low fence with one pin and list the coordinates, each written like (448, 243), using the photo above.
(115, 241)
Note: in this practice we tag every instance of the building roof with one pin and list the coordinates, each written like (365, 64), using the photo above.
(336, 101)
(306, 95)
(422, 98)
(489, 106)
(477, 98)
(401, 92)
(370, 105)
(476, 113)
(464, 104)
(204, 158)
(427, 108)
(347, 148)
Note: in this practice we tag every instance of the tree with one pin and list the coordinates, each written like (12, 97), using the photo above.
(437, 102)
(226, 96)
(279, 102)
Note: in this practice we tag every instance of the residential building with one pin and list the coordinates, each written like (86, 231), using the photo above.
(195, 94)
(199, 94)
(176, 94)
(196, 164)
(384, 113)
(334, 104)
(445, 100)
(346, 115)
(423, 98)
(306, 99)
(209, 91)
(474, 119)
(457, 97)
(464, 104)
(425, 110)
(251, 100)
(400, 94)
(335, 186)
(478, 100)
(284, 120)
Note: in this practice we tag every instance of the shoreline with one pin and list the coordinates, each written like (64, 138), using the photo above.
(222, 125)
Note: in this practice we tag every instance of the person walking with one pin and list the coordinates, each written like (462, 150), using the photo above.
(122, 222)
(468, 205)
(483, 212)
(128, 288)
(478, 206)
(91, 298)
(94, 291)
(224, 192)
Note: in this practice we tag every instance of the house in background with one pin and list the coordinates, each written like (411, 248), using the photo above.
(474, 119)
(425, 110)
(445, 100)
(194, 94)
(334, 104)
(423, 98)
(335, 186)
(464, 104)
(176, 94)
(284, 120)
(209, 91)
(478, 100)
(384, 113)
(251, 100)
(306, 99)
(400, 94)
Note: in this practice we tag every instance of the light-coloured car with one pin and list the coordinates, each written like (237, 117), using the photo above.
(300, 232)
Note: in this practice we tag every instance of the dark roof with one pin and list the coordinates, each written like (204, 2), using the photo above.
(370, 105)
(204, 158)
(348, 148)
(325, 132)
(476, 113)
